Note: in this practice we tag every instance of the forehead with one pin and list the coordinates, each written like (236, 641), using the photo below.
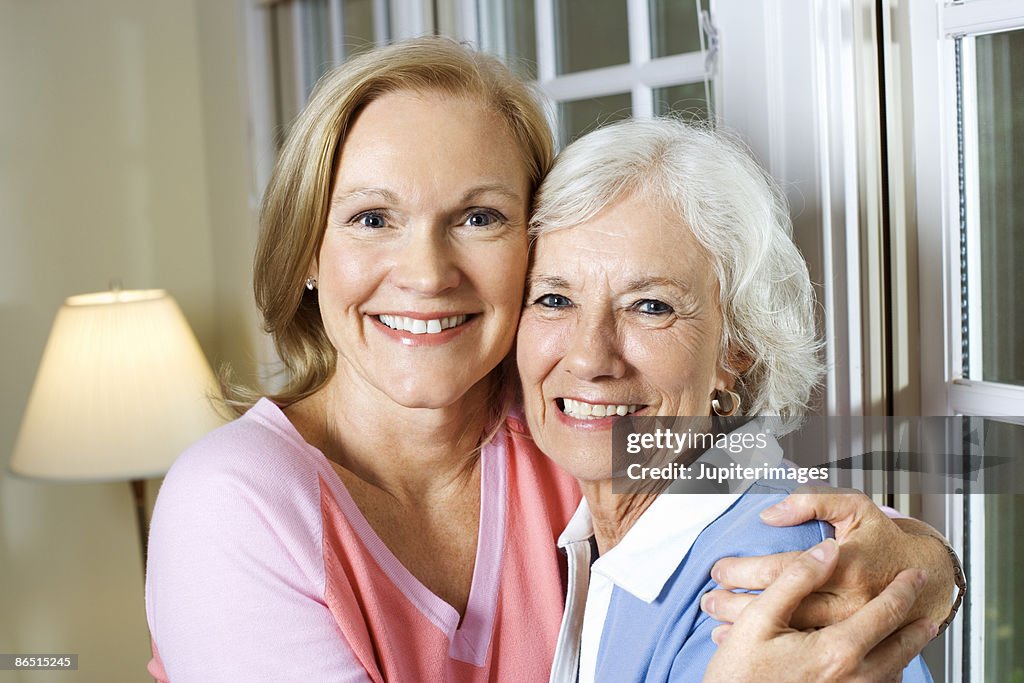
(447, 136)
(635, 236)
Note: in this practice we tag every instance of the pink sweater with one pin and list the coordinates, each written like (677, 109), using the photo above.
(262, 568)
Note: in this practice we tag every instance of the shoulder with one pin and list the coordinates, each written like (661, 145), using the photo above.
(257, 454)
(740, 531)
(235, 580)
(247, 489)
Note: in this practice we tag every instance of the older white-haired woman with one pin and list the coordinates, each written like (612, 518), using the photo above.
(664, 282)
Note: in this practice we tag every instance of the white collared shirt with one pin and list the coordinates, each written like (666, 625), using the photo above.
(643, 561)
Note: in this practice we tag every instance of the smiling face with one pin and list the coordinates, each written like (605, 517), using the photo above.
(622, 316)
(421, 268)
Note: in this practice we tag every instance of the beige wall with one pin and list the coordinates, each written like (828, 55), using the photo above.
(123, 154)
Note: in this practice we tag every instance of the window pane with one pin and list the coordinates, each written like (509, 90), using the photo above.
(358, 26)
(675, 27)
(509, 30)
(316, 42)
(1000, 87)
(591, 34)
(1003, 602)
(686, 101)
(581, 116)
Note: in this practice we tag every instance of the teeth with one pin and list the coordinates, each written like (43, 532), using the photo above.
(417, 326)
(594, 411)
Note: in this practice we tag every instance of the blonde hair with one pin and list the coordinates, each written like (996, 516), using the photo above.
(297, 199)
(713, 185)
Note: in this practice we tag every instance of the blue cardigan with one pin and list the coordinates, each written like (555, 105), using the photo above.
(670, 638)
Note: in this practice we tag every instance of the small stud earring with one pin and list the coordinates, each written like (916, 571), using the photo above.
(311, 283)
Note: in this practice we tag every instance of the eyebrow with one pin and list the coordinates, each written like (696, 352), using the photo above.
(648, 282)
(502, 190)
(549, 281)
(363, 192)
(557, 282)
(390, 197)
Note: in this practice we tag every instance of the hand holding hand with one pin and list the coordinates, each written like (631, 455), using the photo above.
(874, 550)
(762, 646)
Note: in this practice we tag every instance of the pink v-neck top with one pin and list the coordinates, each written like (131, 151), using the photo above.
(262, 568)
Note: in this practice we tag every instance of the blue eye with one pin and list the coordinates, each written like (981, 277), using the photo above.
(652, 307)
(371, 219)
(553, 301)
(483, 218)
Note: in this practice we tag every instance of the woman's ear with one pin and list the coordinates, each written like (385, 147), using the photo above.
(736, 363)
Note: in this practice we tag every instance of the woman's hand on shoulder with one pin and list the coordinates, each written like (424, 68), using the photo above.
(874, 550)
(867, 646)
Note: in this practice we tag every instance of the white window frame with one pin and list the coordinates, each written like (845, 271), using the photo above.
(933, 27)
(791, 82)
(639, 77)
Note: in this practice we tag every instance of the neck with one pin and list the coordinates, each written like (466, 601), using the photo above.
(613, 514)
(410, 453)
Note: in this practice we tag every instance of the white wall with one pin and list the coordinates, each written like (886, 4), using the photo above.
(122, 155)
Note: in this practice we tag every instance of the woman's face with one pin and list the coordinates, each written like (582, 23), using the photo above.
(621, 316)
(421, 270)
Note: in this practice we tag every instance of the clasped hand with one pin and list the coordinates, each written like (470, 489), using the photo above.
(877, 594)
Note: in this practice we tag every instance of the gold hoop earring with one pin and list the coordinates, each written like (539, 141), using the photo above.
(734, 403)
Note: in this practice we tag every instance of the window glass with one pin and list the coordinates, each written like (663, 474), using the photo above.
(316, 37)
(509, 30)
(590, 34)
(581, 116)
(1003, 552)
(687, 101)
(358, 26)
(675, 27)
(1000, 112)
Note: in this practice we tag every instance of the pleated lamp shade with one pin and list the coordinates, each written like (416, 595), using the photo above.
(121, 391)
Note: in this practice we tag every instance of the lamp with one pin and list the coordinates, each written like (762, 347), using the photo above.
(120, 392)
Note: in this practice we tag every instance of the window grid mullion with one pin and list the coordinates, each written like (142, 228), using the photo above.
(638, 18)
(666, 71)
(544, 17)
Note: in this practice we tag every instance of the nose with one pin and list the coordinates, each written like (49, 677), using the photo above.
(427, 263)
(594, 349)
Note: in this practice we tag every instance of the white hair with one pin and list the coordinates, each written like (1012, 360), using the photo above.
(737, 213)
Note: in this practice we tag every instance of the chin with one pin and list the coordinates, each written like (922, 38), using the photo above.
(585, 464)
(427, 395)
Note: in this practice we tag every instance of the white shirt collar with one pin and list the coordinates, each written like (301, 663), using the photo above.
(650, 552)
